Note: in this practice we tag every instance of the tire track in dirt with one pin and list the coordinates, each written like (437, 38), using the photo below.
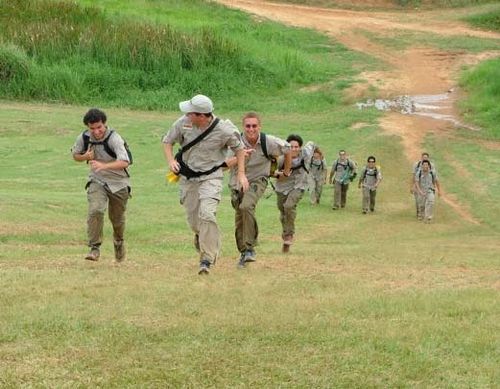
(415, 71)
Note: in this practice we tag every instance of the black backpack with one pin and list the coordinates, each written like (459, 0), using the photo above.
(107, 148)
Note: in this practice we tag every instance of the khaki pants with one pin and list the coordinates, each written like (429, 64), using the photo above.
(369, 199)
(426, 205)
(287, 204)
(316, 188)
(200, 200)
(99, 198)
(246, 228)
(339, 194)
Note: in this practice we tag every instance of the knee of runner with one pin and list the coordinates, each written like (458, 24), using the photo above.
(207, 215)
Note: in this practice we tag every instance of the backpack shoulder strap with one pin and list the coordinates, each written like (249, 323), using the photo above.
(263, 145)
(200, 137)
(106, 145)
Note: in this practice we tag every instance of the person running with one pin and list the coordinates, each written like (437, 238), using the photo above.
(261, 151)
(342, 173)
(317, 176)
(290, 187)
(204, 139)
(369, 180)
(108, 184)
(426, 185)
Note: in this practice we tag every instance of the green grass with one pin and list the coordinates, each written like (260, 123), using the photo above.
(80, 53)
(481, 106)
(395, 4)
(489, 21)
(348, 305)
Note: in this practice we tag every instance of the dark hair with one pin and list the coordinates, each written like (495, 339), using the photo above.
(372, 158)
(425, 153)
(94, 115)
(296, 138)
(342, 151)
(427, 162)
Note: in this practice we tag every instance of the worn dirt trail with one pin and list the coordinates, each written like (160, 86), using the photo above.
(415, 71)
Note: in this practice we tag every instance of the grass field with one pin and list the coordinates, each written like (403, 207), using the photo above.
(380, 300)
(361, 301)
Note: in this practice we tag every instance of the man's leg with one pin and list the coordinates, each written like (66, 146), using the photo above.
(337, 193)
(97, 202)
(290, 213)
(373, 196)
(117, 207)
(209, 234)
(343, 198)
(429, 207)
(366, 199)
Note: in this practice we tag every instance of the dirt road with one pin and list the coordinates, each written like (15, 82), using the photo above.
(415, 71)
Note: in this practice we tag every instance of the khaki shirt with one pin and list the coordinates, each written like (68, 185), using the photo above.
(417, 166)
(114, 179)
(298, 178)
(371, 176)
(426, 181)
(211, 151)
(318, 169)
(339, 168)
(257, 165)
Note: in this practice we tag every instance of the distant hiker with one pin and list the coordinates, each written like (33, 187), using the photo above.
(262, 151)
(426, 185)
(317, 176)
(417, 166)
(108, 184)
(342, 173)
(290, 187)
(369, 180)
(204, 140)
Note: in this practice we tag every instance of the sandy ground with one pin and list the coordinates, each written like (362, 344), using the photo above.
(415, 71)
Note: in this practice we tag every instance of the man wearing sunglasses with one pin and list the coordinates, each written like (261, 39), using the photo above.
(261, 150)
(204, 139)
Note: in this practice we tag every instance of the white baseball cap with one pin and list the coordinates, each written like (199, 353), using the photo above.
(198, 104)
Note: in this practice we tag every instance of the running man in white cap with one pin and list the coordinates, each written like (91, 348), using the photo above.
(204, 141)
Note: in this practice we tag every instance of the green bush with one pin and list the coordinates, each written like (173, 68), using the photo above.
(483, 86)
(14, 63)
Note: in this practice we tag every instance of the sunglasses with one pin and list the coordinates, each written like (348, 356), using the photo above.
(251, 125)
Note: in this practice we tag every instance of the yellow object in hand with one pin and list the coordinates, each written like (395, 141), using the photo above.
(171, 177)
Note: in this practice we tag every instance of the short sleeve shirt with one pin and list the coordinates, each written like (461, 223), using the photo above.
(113, 179)
(298, 178)
(339, 168)
(257, 165)
(426, 181)
(318, 169)
(209, 152)
(370, 176)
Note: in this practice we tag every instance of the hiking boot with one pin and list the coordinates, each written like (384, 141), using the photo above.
(428, 220)
(287, 242)
(204, 267)
(120, 251)
(365, 211)
(94, 254)
(335, 207)
(241, 261)
(249, 255)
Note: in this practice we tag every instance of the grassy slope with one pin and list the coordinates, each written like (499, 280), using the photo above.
(361, 301)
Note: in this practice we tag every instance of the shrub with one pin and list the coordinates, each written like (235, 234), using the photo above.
(14, 63)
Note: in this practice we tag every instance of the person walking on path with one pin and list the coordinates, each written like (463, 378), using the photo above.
(317, 176)
(108, 184)
(261, 150)
(417, 167)
(290, 187)
(426, 185)
(342, 173)
(204, 140)
(369, 180)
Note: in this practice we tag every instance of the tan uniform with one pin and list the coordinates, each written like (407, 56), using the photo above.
(106, 188)
(416, 170)
(317, 177)
(425, 202)
(200, 196)
(342, 172)
(257, 168)
(369, 178)
(290, 189)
